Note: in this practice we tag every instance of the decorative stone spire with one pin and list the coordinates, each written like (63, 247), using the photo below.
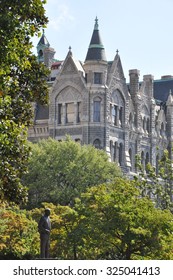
(96, 49)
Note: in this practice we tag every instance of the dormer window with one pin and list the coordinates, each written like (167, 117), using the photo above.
(97, 78)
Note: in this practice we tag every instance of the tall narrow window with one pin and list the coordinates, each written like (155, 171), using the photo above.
(78, 112)
(114, 114)
(130, 155)
(115, 151)
(111, 150)
(97, 78)
(86, 77)
(120, 154)
(69, 112)
(142, 158)
(96, 115)
(157, 164)
(148, 125)
(121, 115)
(59, 113)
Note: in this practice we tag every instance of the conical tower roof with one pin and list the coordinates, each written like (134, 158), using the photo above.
(96, 49)
(43, 41)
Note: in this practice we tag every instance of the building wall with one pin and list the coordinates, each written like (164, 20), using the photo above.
(123, 119)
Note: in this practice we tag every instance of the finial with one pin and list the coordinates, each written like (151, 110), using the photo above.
(117, 51)
(43, 30)
(70, 52)
(96, 24)
(170, 92)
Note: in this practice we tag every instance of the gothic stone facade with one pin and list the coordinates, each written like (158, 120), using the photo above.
(92, 102)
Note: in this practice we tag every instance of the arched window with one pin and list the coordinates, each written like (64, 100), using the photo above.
(97, 143)
(118, 107)
(96, 109)
(68, 106)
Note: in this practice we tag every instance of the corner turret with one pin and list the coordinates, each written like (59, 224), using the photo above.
(96, 49)
(96, 63)
(45, 53)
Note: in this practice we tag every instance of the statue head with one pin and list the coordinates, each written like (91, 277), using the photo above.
(47, 212)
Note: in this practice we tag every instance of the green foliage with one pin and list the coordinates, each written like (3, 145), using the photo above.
(157, 185)
(60, 171)
(22, 81)
(19, 238)
(110, 221)
(120, 225)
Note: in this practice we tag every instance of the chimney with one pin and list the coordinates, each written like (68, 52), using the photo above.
(134, 82)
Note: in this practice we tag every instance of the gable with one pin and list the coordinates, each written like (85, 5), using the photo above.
(69, 67)
(116, 70)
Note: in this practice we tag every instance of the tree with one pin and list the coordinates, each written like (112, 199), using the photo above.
(110, 221)
(22, 81)
(121, 225)
(157, 184)
(19, 238)
(60, 171)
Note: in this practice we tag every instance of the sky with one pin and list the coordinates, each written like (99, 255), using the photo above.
(142, 31)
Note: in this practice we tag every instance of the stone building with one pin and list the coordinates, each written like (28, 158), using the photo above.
(92, 102)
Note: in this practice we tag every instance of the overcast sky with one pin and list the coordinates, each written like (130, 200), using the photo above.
(142, 31)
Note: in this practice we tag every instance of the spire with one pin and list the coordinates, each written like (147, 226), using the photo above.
(69, 52)
(43, 40)
(45, 53)
(96, 49)
(96, 26)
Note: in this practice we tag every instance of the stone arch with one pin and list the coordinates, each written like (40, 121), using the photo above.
(97, 143)
(68, 94)
(117, 108)
(117, 98)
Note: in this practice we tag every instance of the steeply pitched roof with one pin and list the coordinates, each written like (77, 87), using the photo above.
(43, 40)
(96, 49)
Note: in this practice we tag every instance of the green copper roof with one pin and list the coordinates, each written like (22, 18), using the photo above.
(96, 49)
(96, 46)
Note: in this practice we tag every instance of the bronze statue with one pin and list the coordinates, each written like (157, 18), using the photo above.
(44, 227)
